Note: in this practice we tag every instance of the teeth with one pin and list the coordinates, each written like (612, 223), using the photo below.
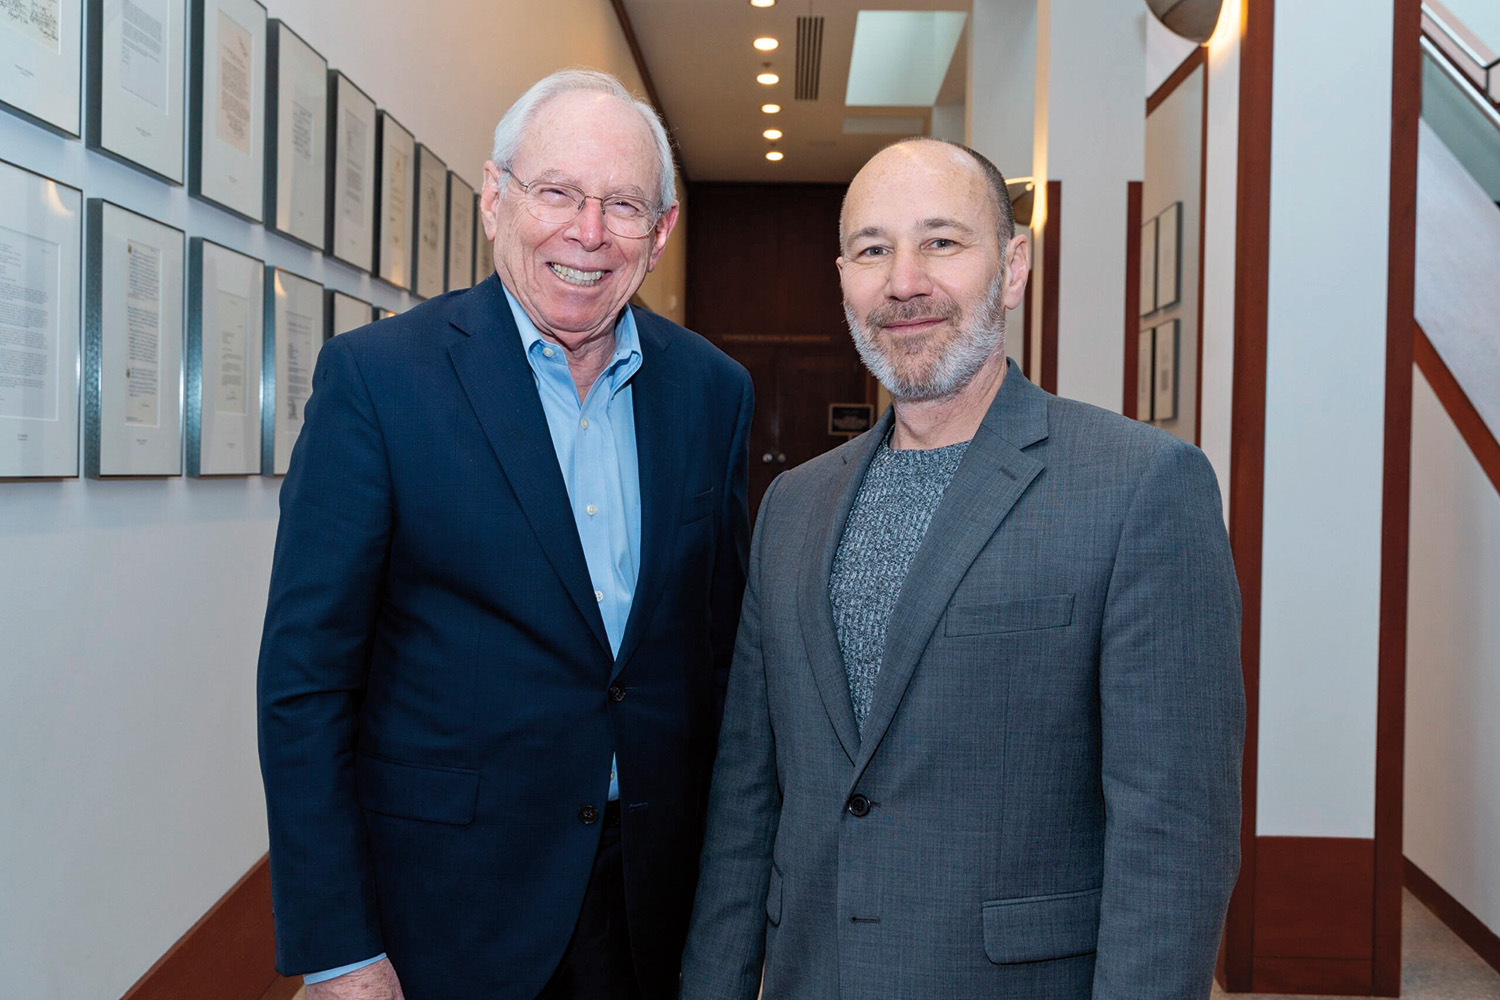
(575, 277)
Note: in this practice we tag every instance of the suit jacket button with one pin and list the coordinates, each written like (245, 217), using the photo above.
(616, 693)
(588, 814)
(858, 806)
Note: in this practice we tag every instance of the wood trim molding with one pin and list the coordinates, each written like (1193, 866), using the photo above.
(1248, 438)
(1390, 713)
(1460, 920)
(229, 954)
(1198, 57)
(1133, 193)
(623, 16)
(1471, 426)
(1051, 264)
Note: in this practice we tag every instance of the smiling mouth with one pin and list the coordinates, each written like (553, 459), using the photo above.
(907, 325)
(573, 276)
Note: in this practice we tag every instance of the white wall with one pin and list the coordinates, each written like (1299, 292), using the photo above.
(1325, 394)
(1000, 92)
(1165, 51)
(1453, 648)
(130, 612)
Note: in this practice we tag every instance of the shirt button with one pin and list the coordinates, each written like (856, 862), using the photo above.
(592, 509)
(598, 595)
(616, 692)
(546, 352)
(584, 423)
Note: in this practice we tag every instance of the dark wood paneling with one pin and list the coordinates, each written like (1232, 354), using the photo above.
(229, 954)
(1133, 192)
(1390, 723)
(1051, 268)
(1471, 426)
(1470, 929)
(1248, 436)
(1339, 977)
(1314, 898)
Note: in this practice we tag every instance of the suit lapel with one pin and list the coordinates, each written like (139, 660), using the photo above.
(660, 414)
(492, 368)
(825, 528)
(995, 472)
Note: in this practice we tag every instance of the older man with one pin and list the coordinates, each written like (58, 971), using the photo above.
(506, 586)
(983, 729)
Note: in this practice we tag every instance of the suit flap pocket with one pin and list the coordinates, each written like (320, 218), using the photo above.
(698, 505)
(1009, 616)
(417, 791)
(1037, 928)
(773, 897)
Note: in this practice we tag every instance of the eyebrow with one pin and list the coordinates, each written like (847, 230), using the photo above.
(559, 177)
(937, 222)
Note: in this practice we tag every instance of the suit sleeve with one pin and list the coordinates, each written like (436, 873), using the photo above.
(734, 539)
(1173, 717)
(726, 941)
(326, 585)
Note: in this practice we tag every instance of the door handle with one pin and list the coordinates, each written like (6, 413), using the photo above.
(781, 457)
(768, 458)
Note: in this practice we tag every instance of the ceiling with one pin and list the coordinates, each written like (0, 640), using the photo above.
(701, 61)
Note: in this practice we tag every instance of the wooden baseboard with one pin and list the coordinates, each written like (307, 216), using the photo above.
(229, 954)
(1470, 929)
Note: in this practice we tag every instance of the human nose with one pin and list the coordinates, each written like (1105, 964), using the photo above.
(588, 225)
(907, 277)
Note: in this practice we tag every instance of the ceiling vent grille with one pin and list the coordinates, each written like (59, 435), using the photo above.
(809, 57)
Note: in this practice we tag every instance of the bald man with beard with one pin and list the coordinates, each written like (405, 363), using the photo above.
(983, 730)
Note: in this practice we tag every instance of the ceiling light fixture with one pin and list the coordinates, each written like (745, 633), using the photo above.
(762, 3)
(766, 44)
(774, 156)
(771, 109)
(768, 79)
(772, 133)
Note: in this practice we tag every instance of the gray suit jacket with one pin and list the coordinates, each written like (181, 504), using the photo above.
(1045, 800)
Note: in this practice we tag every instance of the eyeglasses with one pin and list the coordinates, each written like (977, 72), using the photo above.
(550, 201)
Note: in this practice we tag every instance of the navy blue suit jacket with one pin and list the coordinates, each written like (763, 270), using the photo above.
(435, 678)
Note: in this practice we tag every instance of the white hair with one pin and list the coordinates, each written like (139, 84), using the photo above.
(511, 130)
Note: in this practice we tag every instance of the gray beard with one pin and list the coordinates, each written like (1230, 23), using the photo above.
(979, 338)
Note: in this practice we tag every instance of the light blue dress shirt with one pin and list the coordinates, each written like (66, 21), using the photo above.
(596, 450)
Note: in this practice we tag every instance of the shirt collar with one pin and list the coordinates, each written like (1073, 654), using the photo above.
(625, 362)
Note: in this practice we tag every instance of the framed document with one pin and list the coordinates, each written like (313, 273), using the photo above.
(345, 313)
(133, 344)
(460, 233)
(350, 232)
(226, 318)
(484, 252)
(136, 63)
(1145, 374)
(1169, 256)
(382, 313)
(430, 223)
(41, 55)
(396, 184)
(1148, 267)
(227, 106)
(294, 335)
(41, 256)
(296, 136)
(1164, 398)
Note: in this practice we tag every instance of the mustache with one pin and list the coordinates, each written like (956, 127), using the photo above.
(907, 312)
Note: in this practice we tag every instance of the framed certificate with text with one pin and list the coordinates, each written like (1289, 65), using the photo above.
(227, 106)
(351, 173)
(296, 136)
(41, 258)
(430, 223)
(1169, 256)
(396, 191)
(346, 312)
(133, 341)
(484, 251)
(136, 59)
(460, 233)
(1164, 394)
(226, 317)
(41, 58)
(294, 335)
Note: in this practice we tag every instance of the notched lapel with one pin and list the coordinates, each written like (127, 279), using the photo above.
(825, 528)
(492, 369)
(992, 477)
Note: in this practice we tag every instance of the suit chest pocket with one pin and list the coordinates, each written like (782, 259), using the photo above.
(1000, 617)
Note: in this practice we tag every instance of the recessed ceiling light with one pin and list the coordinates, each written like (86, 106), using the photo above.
(767, 78)
(774, 155)
(771, 109)
(772, 133)
(766, 44)
(762, 3)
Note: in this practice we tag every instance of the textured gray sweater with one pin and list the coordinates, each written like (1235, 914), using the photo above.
(900, 493)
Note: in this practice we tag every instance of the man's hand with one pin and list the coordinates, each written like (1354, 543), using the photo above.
(373, 982)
